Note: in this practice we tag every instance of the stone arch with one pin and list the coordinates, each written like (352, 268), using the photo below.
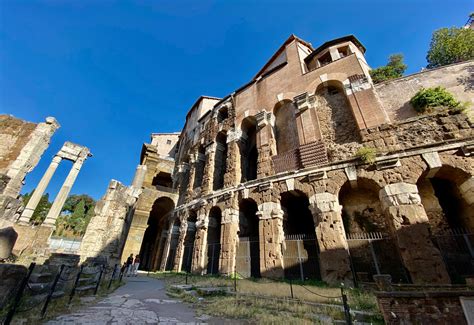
(286, 132)
(214, 240)
(248, 250)
(248, 149)
(300, 236)
(220, 160)
(364, 218)
(447, 196)
(151, 247)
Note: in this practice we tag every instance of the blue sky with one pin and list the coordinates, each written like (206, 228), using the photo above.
(112, 72)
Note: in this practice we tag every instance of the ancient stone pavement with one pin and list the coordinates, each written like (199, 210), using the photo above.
(142, 300)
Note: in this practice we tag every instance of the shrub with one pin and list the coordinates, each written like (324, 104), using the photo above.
(367, 155)
(428, 99)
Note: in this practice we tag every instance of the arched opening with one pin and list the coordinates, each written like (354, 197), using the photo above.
(162, 179)
(248, 252)
(336, 119)
(248, 149)
(220, 161)
(372, 248)
(222, 114)
(286, 132)
(214, 240)
(200, 164)
(173, 244)
(301, 253)
(155, 234)
(450, 220)
(189, 242)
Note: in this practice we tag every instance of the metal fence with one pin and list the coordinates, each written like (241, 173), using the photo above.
(301, 257)
(375, 253)
(456, 247)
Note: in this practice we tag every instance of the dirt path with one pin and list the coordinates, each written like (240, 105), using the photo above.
(142, 300)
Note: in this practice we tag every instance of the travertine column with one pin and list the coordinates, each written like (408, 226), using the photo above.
(200, 244)
(409, 222)
(208, 179)
(38, 193)
(233, 169)
(166, 249)
(63, 193)
(266, 145)
(334, 253)
(139, 177)
(272, 238)
(229, 237)
(178, 258)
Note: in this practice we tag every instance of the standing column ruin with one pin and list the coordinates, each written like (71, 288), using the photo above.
(178, 258)
(272, 239)
(78, 154)
(166, 248)
(39, 191)
(334, 257)
(200, 243)
(229, 237)
(410, 224)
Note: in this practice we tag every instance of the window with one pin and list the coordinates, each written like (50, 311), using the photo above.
(325, 59)
(344, 51)
(168, 141)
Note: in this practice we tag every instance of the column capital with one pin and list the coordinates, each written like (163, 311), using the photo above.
(324, 202)
(399, 194)
(230, 215)
(270, 210)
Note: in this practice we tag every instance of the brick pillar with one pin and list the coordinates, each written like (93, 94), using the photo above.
(229, 237)
(409, 222)
(200, 244)
(178, 259)
(334, 259)
(166, 249)
(208, 177)
(272, 238)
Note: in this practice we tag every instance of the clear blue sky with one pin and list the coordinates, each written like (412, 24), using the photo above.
(112, 72)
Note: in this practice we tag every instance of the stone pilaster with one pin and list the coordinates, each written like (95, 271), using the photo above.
(38, 193)
(229, 238)
(192, 177)
(200, 243)
(139, 177)
(272, 238)
(409, 222)
(266, 145)
(334, 253)
(207, 178)
(178, 258)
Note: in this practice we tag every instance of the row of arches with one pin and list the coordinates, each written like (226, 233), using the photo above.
(361, 213)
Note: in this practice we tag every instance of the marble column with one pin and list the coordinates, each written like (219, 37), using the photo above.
(229, 238)
(63, 193)
(38, 193)
(410, 224)
(272, 239)
(334, 260)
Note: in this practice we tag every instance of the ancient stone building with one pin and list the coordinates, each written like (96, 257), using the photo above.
(267, 181)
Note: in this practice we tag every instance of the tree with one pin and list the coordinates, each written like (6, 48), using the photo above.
(394, 69)
(450, 45)
(41, 210)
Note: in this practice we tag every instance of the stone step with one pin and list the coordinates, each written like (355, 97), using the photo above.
(41, 277)
(85, 288)
(37, 288)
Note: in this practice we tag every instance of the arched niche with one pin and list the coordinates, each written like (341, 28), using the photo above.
(286, 132)
(248, 149)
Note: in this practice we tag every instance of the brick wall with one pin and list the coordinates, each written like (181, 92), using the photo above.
(423, 307)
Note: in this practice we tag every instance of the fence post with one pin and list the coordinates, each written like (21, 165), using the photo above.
(98, 281)
(73, 291)
(347, 311)
(51, 292)
(112, 277)
(291, 288)
(12, 310)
